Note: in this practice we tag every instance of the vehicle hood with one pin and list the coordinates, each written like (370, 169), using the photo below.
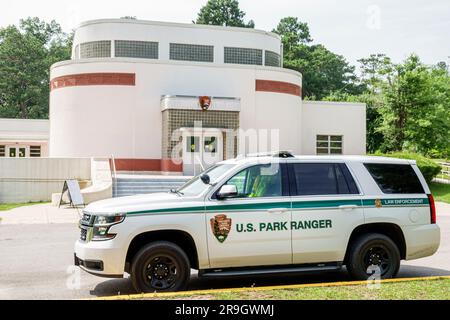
(139, 203)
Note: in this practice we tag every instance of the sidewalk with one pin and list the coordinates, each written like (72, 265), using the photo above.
(442, 208)
(48, 214)
(40, 214)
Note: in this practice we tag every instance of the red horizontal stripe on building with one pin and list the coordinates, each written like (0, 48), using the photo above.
(165, 165)
(278, 87)
(94, 79)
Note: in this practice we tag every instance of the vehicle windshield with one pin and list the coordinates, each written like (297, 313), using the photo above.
(196, 186)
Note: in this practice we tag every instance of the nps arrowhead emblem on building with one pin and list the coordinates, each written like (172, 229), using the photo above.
(205, 102)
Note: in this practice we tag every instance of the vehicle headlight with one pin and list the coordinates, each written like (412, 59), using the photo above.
(103, 223)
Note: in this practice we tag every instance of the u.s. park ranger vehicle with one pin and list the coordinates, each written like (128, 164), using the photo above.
(265, 214)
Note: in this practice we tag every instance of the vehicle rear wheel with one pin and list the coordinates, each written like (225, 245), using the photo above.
(371, 255)
(160, 267)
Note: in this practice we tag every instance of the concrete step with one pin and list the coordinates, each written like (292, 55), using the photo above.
(152, 180)
(156, 189)
(139, 184)
(131, 184)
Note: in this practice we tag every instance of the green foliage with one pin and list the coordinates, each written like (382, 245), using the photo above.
(293, 32)
(324, 72)
(440, 192)
(26, 54)
(428, 167)
(408, 105)
(416, 109)
(223, 13)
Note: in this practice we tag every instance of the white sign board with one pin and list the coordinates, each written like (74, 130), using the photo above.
(74, 193)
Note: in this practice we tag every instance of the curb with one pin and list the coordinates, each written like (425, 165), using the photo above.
(264, 288)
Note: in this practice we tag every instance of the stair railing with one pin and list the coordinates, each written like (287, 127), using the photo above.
(113, 176)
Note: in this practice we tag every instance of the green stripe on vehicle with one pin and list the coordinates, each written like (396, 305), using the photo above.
(397, 202)
(316, 204)
(324, 204)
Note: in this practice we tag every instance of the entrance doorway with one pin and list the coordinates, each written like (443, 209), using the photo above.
(201, 149)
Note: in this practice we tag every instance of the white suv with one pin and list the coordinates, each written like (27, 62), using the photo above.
(269, 214)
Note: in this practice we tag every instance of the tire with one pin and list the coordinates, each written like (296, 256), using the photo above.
(160, 267)
(372, 254)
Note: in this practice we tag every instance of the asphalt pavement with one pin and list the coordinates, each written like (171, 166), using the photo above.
(36, 262)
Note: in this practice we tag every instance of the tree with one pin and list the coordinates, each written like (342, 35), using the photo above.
(292, 32)
(223, 13)
(324, 72)
(26, 54)
(375, 70)
(416, 110)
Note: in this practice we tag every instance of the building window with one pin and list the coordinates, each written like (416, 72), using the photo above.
(191, 52)
(2, 151)
(329, 144)
(272, 59)
(35, 151)
(95, 49)
(243, 56)
(136, 49)
(77, 52)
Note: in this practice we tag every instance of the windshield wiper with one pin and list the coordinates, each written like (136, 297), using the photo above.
(176, 191)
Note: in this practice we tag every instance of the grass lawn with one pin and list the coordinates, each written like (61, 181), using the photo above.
(9, 206)
(440, 191)
(438, 289)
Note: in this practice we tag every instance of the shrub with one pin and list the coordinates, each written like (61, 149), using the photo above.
(428, 167)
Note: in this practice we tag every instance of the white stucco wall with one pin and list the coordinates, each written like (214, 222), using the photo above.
(35, 179)
(25, 133)
(334, 118)
(125, 121)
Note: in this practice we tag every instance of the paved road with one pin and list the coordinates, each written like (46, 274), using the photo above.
(36, 263)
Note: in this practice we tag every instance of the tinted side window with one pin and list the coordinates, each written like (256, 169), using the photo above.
(258, 181)
(395, 178)
(323, 179)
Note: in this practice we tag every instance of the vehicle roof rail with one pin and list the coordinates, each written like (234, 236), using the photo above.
(275, 154)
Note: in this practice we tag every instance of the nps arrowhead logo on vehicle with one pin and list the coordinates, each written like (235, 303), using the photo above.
(378, 203)
(221, 227)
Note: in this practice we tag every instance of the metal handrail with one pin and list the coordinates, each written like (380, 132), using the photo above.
(113, 175)
(445, 171)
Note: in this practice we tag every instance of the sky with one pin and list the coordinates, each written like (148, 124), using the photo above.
(352, 28)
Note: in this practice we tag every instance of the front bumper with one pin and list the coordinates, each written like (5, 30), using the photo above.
(100, 258)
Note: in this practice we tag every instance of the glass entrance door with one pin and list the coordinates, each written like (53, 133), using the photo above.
(17, 152)
(201, 150)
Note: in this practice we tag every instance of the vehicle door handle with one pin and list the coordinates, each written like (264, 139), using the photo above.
(348, 207)
(277, 210)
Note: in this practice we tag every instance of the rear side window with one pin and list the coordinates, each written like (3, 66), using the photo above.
(322, 179)
(395, 178)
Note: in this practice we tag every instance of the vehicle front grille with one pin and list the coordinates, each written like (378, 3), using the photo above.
(87, 219)
(83, 234)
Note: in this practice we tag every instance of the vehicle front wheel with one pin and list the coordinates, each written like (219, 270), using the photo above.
(373, 255)
(160, 267)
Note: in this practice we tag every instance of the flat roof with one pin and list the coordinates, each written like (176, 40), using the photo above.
(179, 25)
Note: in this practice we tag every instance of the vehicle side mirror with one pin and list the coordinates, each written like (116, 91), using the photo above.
(205, 178)
(227, 191)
